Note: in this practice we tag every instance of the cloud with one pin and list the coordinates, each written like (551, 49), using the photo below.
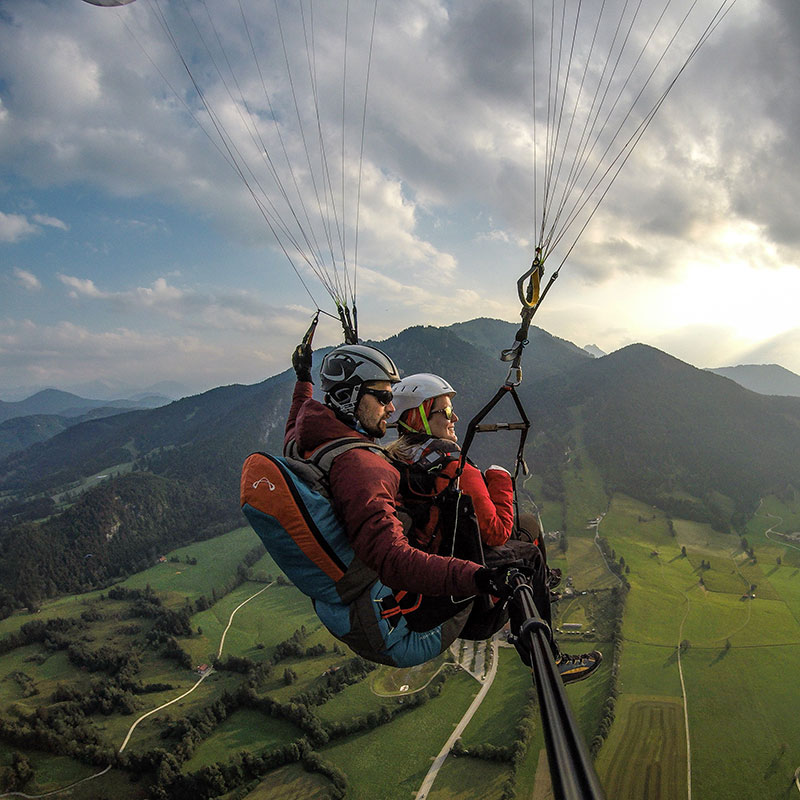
(51, 222)
(82, 287)
(65, 353)
(15, 227)
(222, 311)
(449, 126)
(428, 299)
(27, 279)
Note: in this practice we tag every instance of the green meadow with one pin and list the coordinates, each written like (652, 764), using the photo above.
(698, 603)
(392, 760)
(739, 651)
(244, 730)
(217, 560)
(291, 783)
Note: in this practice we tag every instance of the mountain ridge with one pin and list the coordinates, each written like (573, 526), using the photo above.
(657, 428)
(66, 404)
(763, 378)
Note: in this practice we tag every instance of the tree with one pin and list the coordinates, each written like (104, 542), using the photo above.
(23, 771)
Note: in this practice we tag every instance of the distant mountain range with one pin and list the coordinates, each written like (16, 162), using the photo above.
(50, 411)
(104, 390)
(763, 378)
(66, 404)
(693, 442)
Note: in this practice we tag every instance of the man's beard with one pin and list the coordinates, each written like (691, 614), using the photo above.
(377, 430)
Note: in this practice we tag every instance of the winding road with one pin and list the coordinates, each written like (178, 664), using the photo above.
(146, 714)
(202, 677)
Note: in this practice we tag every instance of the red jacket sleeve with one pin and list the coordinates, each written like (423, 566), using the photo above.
(364, 486)
(493, 500)
(302, 392)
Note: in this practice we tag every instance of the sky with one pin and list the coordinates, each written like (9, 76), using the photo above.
(146, 237)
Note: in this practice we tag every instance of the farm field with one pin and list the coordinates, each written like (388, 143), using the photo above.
(388, 771)
(291, 783)
(735, 657)
(216, 559)
(647, 750)
(243, 730)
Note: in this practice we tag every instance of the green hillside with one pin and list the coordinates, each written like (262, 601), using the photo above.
(239, 727)
(670, 496)
(692, 443)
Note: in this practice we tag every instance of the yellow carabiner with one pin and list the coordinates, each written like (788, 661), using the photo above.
(529, 296)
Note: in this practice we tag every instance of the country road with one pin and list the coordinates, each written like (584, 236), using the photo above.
(771, 529)
(202, 678)
(427, 782)
(685, 704)
(57, 791)
(146, 714)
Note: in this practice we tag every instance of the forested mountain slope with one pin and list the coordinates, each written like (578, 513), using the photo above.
(690, 441)
(657, 426)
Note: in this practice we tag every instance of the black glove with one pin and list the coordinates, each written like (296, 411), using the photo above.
(497, 580)
(301, 361)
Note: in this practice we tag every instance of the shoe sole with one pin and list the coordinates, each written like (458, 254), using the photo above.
(581, 673)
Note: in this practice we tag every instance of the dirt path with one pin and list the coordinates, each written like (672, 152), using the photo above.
(427, 783)
(771, 529)
(57, 791)
(230, 619)
(685, 705)
(202, 678)
(148, 713)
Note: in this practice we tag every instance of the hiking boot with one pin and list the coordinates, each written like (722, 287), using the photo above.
(576, 668)
(553, 577)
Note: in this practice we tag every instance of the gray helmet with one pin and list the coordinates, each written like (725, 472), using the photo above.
(346, 369)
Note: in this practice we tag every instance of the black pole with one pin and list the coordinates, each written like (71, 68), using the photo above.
(571, 770)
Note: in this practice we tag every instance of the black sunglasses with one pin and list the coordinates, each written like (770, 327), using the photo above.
(447, 411)
(383, 396)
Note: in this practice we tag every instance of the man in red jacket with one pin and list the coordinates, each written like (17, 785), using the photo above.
(357, 381)
(364, 486)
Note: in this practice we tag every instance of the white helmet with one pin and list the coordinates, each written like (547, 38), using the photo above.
(414, 390)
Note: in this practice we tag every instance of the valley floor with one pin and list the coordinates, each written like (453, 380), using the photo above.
(696, 696)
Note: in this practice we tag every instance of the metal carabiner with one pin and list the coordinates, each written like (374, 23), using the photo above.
(529, 296)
